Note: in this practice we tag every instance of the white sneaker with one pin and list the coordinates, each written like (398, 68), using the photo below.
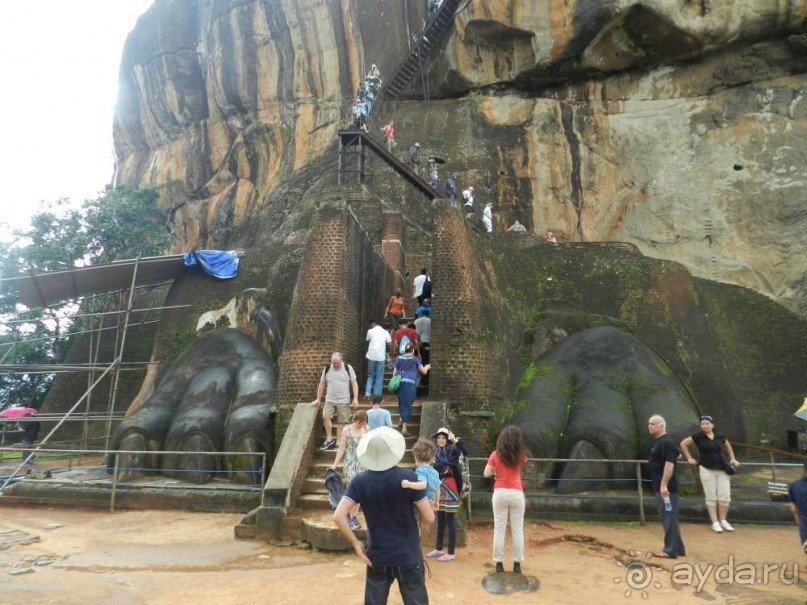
(434, 554)
(716, 528)
(726, 525)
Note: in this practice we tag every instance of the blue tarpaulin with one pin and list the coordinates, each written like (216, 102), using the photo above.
(218, 263)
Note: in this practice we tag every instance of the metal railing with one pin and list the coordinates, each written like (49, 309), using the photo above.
(56, 461)
(750, 483)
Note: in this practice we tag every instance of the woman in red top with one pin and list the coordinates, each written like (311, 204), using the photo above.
(395, 310)
(508, 495)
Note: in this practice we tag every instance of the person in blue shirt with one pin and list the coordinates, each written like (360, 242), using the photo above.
(408, 366)
(428, 477)
(797, 496)
(378, 416)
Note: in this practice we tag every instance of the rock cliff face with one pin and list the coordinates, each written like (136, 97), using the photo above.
(677, 125)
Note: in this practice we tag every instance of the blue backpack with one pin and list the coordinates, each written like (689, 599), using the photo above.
(404, 344)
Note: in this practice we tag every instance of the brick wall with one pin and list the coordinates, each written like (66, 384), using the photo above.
(343, 282)
(467, 350)
(392, 244)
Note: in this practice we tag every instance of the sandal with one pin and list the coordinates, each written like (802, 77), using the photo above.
(662, 555)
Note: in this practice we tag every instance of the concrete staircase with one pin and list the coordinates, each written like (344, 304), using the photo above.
(312, 519)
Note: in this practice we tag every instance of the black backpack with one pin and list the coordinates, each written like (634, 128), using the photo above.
(427, 288)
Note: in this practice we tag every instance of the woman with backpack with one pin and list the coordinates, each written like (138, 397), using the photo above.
(408, 366)
(504, 465)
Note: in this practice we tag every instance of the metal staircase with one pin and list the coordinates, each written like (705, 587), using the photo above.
(356, 142)
(433, 35)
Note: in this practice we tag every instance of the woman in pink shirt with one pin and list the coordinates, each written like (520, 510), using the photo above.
(508, 495)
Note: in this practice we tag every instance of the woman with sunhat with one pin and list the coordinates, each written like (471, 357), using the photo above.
(712, 470)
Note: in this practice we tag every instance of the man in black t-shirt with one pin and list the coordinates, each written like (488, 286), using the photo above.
(393, 541)
(661, 462)
(797, 496)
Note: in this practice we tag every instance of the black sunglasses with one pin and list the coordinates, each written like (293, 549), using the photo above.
(709, 418)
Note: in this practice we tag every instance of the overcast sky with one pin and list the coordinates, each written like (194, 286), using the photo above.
(59, 63)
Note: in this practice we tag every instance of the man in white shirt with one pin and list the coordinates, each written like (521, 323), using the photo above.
(419, 284)
(468, 199)
(487, 218)
(380, 341)
(340, 381)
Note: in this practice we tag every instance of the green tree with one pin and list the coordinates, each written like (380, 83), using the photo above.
(121, 223)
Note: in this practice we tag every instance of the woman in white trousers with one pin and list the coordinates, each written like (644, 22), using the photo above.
(508, 495)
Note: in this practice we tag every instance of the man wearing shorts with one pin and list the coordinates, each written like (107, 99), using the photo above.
(338, 380)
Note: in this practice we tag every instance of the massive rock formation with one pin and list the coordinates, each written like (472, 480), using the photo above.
(675, 125)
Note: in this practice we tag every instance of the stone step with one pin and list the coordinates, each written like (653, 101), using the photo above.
(313, 502)
(318, 468)
(329, 455)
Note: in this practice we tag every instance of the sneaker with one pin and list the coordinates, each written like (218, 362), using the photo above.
(716, 528)
(726, 525)
(446, 558)
(516, 567)
(499, 567)
(434, 554)
(353, 522)
(328, 444)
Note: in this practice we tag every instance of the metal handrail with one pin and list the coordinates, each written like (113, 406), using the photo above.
(640, 481)
(116, 464)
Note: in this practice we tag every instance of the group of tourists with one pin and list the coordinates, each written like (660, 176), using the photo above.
(716, 462)
(436, 487)
(365, 100)
(394, 500)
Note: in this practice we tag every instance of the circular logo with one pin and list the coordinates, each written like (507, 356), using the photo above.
(638, 576)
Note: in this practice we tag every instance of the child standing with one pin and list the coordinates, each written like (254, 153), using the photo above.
(428, 478)
(378, 416)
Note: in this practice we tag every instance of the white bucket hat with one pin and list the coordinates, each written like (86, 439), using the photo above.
(381, 449)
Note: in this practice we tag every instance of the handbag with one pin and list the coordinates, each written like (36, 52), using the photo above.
(394, 383)
(729, 470)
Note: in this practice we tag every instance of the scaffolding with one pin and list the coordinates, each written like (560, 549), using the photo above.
(120, 279)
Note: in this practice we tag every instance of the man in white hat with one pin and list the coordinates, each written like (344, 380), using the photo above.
(393, 541)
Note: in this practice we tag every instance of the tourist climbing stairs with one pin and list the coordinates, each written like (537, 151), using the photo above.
(314, 496)
(433, 35)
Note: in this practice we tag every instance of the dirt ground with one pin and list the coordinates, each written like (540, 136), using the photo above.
(173, 558)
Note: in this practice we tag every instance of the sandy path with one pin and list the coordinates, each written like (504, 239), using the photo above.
(175, 558)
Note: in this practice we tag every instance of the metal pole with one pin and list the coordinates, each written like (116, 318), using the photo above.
(642, 519)
(114, 483)
(129, 305)
(263, 474)
(773, 468)
(339, 162)
(58, 424)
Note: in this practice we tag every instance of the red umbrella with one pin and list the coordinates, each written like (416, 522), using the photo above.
(18, 412)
